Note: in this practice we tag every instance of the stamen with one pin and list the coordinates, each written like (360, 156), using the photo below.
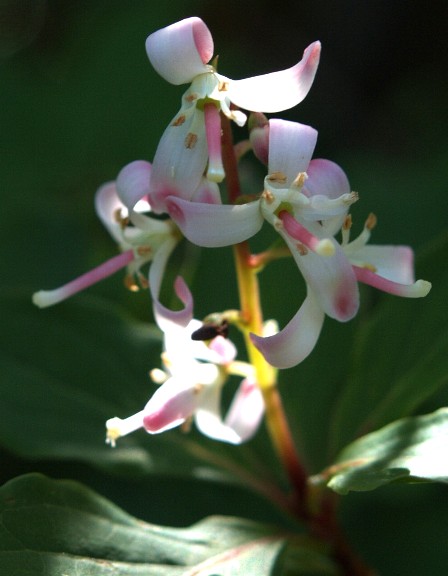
(190, 140)
(130, 283)
(299, 180)
(45, 298)
(371, 221)
(179, 120)
(158, 376)
(215, 170)
(323, 247)
(346, 226)
(277, 177)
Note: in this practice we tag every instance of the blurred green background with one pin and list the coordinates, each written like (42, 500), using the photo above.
(79, 99)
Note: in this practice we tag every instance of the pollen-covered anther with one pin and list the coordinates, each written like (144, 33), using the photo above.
(302, 249)
(197, 389)
(299, 180)
(158, 376)
(179, 120)
(120, 218)
(144, 251)
(190, 140)
(223, 86)
(191, 97)
(142, 280)
(347, 222)
(130, 283)
(278, 177)
(371, 221)
(351, 198)
(268, 197)
(325, 248)
(370, 267)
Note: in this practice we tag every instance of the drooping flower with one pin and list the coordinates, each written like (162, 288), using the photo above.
(181, 53)
(307, 202)
(123, 208)
(191, 386)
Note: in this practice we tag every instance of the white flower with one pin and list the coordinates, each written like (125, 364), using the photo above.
(192, 382)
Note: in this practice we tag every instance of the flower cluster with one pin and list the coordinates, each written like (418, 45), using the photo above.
(305, 200)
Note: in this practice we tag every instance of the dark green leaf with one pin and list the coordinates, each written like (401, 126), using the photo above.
(400, 357)
(412, 449)
(50, 528)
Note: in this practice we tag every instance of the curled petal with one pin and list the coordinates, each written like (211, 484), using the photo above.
(291, 146)
(325, 178)
(418, 289)
(242, 420)
(133, 182)
(164, 316)
(215, 225)
(207, 193)
(107, 207)
(179, 162)
(174, 402)
(296, 341)
(395, 263)
(279, 90)
(331, 278)
(181, 51)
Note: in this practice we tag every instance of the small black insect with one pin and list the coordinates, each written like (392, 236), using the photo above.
(210, 331)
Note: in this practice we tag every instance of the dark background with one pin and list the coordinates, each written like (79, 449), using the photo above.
(79, 99)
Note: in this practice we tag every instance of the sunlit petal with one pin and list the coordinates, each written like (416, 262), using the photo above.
(181, 51)
(291, 146)
(215, 225)
(395, 263)
(107, 207)
(279, 90)
(133, 182)
(296, 341)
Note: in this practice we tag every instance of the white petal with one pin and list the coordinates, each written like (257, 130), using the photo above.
(215, 225)
(179, 162)
(291, 146)
(331, 278)
(395, 263)
(164, 316)
(133, 182)
(297, 339)
(279, 90)
(242, 420)
(174, 402)
(328, 179)
(107, 204)
(181, 51)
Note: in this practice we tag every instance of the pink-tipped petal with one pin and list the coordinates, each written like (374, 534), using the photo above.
(164, 316)
(180, 51)
(107, 205)
(331, 278)
(395, 263)
(46, 298)
(179, 161)
(291, 146)
(174, 402)
(215, 225)
(296, 341)
(133, 182)
(279, 90)
(418, 289)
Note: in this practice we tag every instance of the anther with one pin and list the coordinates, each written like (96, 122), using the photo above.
(371, 221)
(277, 177)
(179, 120)
(299, 180)
(190, 140)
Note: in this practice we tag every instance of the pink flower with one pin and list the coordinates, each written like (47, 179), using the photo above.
(307, 202)
(181, 53)
(123, 208)
(192, 383)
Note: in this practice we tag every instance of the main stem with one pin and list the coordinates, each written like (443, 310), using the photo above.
(252, 321)
(322, 521)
